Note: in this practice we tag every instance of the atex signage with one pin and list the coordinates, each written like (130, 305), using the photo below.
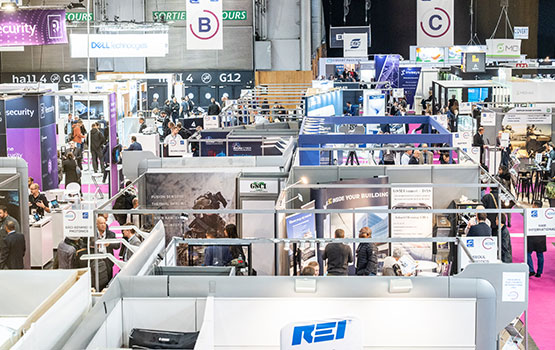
(355, 45)
(337, 33)
(32, 27)
(341, 333)
(204, 26)
(435, 21)
(239, 15)
(119, 45)
(258, 186)
(503, 48)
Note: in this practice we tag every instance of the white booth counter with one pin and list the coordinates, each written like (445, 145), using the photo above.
(58, 224)
(41, 242)
(149, 142)
(40, 309)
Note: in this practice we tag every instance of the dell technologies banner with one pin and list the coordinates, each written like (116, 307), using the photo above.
(32, 27)
(119, 45)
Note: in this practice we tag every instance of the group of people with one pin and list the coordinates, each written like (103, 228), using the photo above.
(12, 242)
(224, 255)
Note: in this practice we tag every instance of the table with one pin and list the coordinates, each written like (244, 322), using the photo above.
(40, 234)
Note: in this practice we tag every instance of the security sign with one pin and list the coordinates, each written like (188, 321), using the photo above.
(435, 22)
(204, 25)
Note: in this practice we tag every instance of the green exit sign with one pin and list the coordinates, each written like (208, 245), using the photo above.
(79, 16)
(240, 15)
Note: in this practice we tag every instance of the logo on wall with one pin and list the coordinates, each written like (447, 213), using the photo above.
(549, 213)
(55, 27)
(206, 78)
(435, 22)
(355, 44)
(259, 186)
(338, 333)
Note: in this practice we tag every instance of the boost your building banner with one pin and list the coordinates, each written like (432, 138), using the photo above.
(435, 21)
(204, 25)
(32, 27)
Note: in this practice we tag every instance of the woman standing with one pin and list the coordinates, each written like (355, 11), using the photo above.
(69, 166)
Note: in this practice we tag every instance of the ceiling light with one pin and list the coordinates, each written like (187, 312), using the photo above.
(76, 5)
(9, 6)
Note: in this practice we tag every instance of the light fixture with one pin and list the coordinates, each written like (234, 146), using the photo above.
(9, 6)
(303, 180)
(298, 196)
(286, 246)
(76, 5)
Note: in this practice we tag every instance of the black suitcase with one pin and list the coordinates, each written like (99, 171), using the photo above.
(155, 339)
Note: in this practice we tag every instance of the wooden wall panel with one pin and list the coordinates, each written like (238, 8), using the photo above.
(283, 77)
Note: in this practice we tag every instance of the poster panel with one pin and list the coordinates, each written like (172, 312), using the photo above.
(192, 191)
(114, 177)
(412, 225)
(25, 143)
(49, 157)
(528, 127)
(408, 80)
(387, 69)
(357, 198)
(540, 222)
(204, 25)
(435, 22)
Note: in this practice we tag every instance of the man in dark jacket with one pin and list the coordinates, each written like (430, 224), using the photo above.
(213, 108)
(478, 141)
(77, 154)
(5, 217)
(104, 233)
(367, 255)
(97, 141)
(13, 250)
(536, 244)
(482, 229)
(338, 255)
(506, 247)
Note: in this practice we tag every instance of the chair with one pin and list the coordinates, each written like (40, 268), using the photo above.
(72, 192)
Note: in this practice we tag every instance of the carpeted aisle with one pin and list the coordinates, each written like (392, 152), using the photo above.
(541, 299)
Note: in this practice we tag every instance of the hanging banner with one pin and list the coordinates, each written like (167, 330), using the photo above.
(408, 80)
(204, 27)
(503, 48)
(32, 27)
(78, 223)
(387, 69)
(435, 21)
(119, 45)
(355, 45)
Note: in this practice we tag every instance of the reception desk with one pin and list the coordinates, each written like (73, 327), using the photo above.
(41, 242)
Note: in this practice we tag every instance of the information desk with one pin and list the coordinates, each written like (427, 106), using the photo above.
(40, 234)
(149, 142)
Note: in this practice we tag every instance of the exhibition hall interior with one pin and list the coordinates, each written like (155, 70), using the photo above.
(277, 174)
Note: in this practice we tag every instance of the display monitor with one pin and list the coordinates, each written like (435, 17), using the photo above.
(85, 111)
(477, 94)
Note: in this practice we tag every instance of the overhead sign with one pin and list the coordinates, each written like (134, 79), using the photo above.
(337, 34)
(521, 33)
(482, 250)
(45, 78)
(540, 221)
(178, 148)
(239, 15)
(474, 62)
(503, 48)
(79, 16)
(488, 119)
(78, 223)
(435, 21)
(355, 45)
(32, 27)
(204, 26)
(343, 333)
(119, 45)
(259, 186)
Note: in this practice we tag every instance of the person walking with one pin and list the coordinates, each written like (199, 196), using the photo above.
(367, 255)
(536, 244)
(77, 135)
(338, 256)
(97, 141)
(13, 249)
(70, 169)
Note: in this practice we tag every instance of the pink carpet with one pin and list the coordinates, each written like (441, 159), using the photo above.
(541, 301)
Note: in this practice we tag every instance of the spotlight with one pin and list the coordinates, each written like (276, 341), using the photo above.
(9, 6)
(76, 5)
